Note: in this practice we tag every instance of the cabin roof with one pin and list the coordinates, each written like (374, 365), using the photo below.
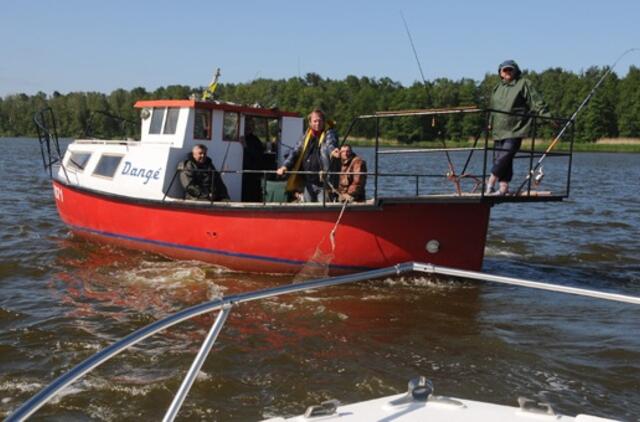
(255, 111)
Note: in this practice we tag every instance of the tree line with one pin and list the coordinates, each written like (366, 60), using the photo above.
(614, 111)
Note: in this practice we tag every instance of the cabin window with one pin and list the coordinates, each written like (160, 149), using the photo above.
(172, 121)
(78, 160)
(202, 125)
(230, 128)
(107, 165)
(156, 121)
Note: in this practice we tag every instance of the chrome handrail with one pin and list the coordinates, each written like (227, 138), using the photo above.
(225, 305)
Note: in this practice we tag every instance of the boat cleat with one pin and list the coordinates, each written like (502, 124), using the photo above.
(325, 408)
(531, 406)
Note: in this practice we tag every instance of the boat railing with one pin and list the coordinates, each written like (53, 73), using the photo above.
(270, 177)
(224, 306)
(47, 129)
(428, 179)
(477, 167)
(425, 179)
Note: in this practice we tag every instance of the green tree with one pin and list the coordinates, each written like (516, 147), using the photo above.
(628, 106)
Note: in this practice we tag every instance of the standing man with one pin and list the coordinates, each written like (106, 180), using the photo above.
(514, 94)
(352, 182)
(253, 159)
(199, 177)
(312, 153)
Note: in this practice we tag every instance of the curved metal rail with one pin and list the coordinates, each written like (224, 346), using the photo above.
(225, 305)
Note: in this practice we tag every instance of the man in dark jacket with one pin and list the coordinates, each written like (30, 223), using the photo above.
(253, 159)
(199, 177)
(515, 97)
(312, 153)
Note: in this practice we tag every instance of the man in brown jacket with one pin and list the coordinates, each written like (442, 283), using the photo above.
(352, 183)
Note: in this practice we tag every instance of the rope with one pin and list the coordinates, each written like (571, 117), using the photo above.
(332, 235)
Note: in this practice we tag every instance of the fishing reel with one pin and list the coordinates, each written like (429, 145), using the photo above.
(539, 175)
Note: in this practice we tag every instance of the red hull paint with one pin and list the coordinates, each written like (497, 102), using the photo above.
(283, 240)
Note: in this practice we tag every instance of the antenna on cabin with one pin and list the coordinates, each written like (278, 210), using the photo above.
(211, 89)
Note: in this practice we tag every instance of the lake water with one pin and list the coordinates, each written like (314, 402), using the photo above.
(62, 299)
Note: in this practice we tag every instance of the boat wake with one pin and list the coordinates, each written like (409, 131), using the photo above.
(492, 251)
(149, 287)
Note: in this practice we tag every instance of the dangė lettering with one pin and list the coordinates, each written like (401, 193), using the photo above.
(129, 170)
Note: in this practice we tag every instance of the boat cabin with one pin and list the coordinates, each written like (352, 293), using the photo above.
(146, 169)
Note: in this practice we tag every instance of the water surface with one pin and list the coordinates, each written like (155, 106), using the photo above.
(62, 299)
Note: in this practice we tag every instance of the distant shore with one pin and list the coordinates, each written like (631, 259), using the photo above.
(602, 145)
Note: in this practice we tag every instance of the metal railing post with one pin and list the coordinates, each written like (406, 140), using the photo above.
(264, 187)
(375, 182)
(175, 174)
(573, 129)
(486, 151)
(533, 143)
(211, 187)
(197, 364)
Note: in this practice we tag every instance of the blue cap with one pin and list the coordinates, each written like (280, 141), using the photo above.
(508, 63)
(512, 64)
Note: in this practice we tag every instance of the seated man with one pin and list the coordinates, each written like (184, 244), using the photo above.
(352, 185)
(199, 177)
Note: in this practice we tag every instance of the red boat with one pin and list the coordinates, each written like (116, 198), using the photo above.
(126, 193)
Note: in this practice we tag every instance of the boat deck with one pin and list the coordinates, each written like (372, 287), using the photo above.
(533, 196)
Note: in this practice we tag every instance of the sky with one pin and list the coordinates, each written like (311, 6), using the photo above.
(87, 45)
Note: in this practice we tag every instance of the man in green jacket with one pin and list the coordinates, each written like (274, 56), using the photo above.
(199, 177)
(513, 99)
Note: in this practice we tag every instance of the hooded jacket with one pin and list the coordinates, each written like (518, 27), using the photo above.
(517, 96)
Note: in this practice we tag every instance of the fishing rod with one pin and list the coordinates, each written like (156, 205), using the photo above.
(451, 175)
(572, 119)
(413, 47)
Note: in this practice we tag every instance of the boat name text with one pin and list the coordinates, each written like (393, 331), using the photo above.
(130, 170)
(57, 193)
